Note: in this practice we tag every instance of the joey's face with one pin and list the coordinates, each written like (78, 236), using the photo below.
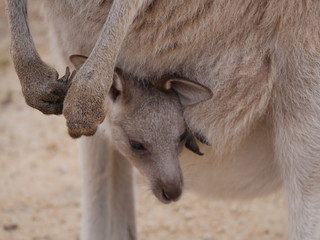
(147, 126)
(150, 132)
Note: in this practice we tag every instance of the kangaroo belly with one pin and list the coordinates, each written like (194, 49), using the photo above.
(248, 171)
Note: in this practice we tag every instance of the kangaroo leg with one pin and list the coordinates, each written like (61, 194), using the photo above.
(297, 141)
(108, 203)
(40, 84)
(84, 106)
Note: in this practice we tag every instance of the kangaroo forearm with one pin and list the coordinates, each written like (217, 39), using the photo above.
(103, 57)
(22, 45)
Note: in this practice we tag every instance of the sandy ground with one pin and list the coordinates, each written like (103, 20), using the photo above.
(40, 178)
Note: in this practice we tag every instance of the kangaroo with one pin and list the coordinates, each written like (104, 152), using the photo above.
(260, 59)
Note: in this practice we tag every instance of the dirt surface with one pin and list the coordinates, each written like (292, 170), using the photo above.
(40, 178)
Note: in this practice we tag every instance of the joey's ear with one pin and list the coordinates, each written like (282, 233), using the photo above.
(189, 92)
(117, 87)
(77, 60)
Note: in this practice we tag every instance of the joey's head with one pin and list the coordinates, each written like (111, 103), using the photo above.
(145, 123)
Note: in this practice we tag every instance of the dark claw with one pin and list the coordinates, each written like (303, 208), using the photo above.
(72, 75)
(192, 145)
(67, 78)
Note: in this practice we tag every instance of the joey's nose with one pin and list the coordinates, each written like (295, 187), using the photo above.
(170, 191)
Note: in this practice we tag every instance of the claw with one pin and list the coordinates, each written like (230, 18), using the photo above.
(67, 78)
(192, 145)
(72, 75)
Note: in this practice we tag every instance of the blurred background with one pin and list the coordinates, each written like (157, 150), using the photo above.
(40, 178)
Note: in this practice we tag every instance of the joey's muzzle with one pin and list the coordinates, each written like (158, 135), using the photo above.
(167, 190)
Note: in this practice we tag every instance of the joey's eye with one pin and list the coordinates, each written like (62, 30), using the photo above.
(137, 146)
(183, 136)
